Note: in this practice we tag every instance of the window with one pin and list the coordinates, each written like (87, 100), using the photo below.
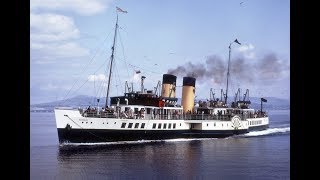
(180, 124)
(159, 126)
(164, 126)
(169, 126)
(136, 125)
(142, 125)
(123, 125)
(154, 125)
(214, 124)
(207, 124)
(174, 125)
(130, 125)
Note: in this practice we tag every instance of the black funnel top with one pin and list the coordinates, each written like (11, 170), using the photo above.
(189, 81)
(169, 79)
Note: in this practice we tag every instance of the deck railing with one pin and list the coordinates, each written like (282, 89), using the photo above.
(122, 115)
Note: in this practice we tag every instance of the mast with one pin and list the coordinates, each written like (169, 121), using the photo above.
(112, 58)
(228, 73)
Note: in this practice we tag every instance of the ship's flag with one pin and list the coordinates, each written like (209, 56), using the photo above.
(263, 100)
(120, 10)
(236, 41)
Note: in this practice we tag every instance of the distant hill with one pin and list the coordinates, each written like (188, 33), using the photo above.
(85, 101)
(77, 101)
(272, 104)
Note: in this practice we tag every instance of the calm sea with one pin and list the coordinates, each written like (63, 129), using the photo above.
(256, 155)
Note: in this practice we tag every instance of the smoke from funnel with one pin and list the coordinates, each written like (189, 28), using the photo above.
(268, 68)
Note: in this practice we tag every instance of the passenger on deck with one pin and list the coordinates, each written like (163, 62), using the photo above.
(141, 113)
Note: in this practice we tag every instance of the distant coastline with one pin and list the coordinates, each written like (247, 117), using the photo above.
(85, 101)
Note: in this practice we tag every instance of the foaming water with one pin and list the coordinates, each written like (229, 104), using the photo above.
(134, 142)
(270, 131)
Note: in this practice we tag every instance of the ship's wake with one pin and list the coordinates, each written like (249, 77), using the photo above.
(109, 143)
(135, 142)
(270, 131)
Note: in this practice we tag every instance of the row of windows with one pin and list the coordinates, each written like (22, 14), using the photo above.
(123, 125)
(154, 125)
(91, 122)
(214, 124)
(255, 122)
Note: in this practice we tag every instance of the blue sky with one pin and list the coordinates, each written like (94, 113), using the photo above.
(71, 43)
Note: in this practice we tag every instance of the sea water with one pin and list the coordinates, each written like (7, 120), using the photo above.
(256, 155)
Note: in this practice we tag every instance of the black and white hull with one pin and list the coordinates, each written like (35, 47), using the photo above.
(74, 128)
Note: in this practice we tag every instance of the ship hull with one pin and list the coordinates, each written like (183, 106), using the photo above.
(258, 128)
(74, 128)
(95, 135)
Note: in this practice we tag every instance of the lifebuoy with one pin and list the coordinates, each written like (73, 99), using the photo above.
(236, 122)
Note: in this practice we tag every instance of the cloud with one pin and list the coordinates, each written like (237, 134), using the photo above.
(99, 77)
(245, 47)
(52, 37)
(81, 7)
(247, 50)
(52, 51)
(49, 86)
(52, 27)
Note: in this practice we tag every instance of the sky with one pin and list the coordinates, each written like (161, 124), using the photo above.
(71, 40)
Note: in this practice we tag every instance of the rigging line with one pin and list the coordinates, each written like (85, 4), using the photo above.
(103, 83)
(94, 85)
(114, 76)
(102, 87)
(145, 69)
(88, 79)
(141, 67)
(118, 75)
(66, 100)
(84, 67)
(104, 62)
(99, 91)
(125, 62)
